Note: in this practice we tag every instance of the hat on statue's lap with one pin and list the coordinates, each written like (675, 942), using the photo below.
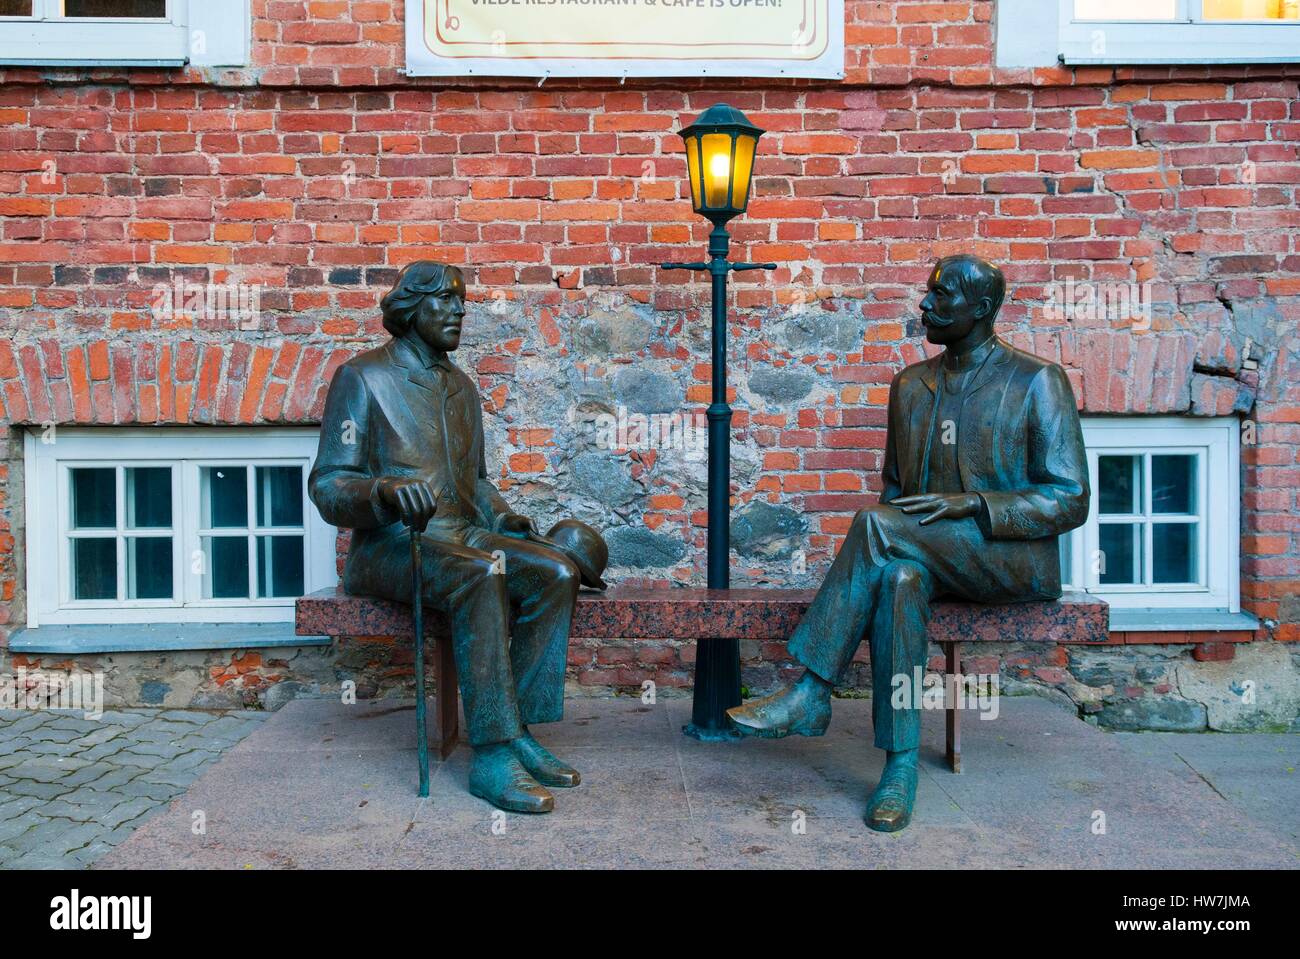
(582, 544)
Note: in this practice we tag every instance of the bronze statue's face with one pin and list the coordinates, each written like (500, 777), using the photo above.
(438, 318)
(946, 312)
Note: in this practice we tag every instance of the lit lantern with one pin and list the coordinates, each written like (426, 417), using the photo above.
(720, 147)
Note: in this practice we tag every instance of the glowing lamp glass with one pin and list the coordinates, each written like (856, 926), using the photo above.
(720, 148)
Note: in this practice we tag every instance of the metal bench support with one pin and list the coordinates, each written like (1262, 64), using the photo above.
(448, 705)
(952, 669)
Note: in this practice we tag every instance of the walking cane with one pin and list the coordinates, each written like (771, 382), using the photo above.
(417, 614)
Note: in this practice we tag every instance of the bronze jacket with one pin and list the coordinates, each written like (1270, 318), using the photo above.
(388, 415)
(1019, 443)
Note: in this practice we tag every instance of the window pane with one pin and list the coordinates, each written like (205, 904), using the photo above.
(94, 498)
(15, 8)
(149, 567)
(1125, 9)
(280, 566)
(1173, 552)
(717, 168)
(1121, 553)
(1065, 545)
(94, 568)
(149, 497)
(745, 147)
(1119, 482)
(115, 8)
(227, 558)
(1173, 484)
(225, 496)
(692, 145)
(1251, 10)
(279, 496)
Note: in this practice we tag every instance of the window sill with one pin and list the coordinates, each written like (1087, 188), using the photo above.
(1180, 621)
(92, 64)
(158, 637)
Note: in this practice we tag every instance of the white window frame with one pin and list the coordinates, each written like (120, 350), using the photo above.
(1217, 441)
(1188, 38)
(46, 466)
(194, 32)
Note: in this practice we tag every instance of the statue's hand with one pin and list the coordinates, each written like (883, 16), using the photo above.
(414, 499)
(515, 524)
(939, 505)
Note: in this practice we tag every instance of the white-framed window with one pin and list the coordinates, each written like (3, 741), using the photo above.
(124, 32)
(1163, 528)
(1179, 31)
(153, 525)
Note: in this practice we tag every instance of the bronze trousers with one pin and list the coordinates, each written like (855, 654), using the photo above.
(510, 616)
(880, 588)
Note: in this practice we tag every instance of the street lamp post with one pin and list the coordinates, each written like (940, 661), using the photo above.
(720, 149)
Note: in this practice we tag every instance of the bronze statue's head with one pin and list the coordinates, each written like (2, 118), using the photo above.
(964, 294)
(429, 299)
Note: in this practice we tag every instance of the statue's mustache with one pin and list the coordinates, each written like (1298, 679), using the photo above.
(933, 319)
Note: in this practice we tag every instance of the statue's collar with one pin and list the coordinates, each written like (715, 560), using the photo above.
(419, 367)
(983, 360)
(421, 356)
(970, 361)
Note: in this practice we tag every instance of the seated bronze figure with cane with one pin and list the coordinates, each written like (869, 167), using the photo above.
(402, 464)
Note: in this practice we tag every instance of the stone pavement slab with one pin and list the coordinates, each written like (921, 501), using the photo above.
(71, 788)
(321, 784)
(1258, 772)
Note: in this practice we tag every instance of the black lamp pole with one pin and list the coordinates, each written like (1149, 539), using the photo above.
(717, 661)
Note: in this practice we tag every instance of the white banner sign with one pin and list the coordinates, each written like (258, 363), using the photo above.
(625, 38)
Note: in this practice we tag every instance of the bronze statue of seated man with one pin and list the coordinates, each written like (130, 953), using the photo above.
(984, 468)
(401, 447)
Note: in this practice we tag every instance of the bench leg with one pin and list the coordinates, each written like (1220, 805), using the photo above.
(448, 700)
(952, 655)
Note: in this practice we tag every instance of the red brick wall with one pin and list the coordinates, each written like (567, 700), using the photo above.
(321, 169)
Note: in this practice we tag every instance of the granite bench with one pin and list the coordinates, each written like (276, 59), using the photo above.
(701, 614)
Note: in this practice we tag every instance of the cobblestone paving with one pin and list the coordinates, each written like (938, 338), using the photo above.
(72, 788)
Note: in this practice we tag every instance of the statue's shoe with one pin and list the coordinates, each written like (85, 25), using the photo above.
(890, 807)
(495, 774)
(545, 767)
(791, 712)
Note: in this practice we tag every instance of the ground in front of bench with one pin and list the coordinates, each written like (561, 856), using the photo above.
(321, 784)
